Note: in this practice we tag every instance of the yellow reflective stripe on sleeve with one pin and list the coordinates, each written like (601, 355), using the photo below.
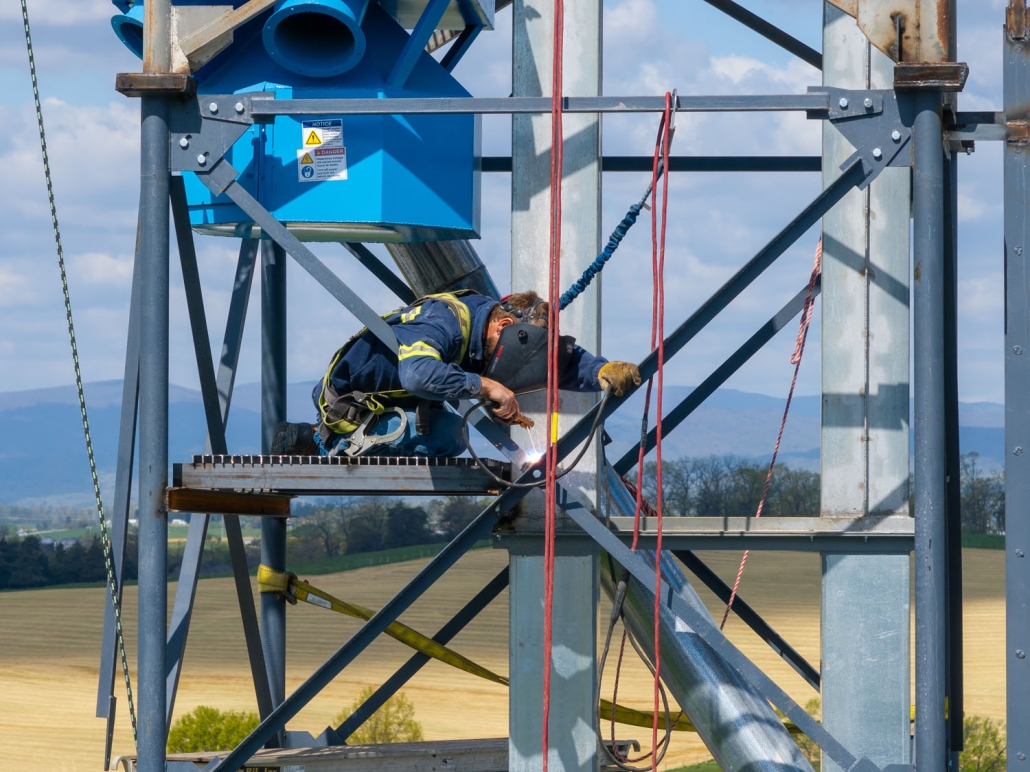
(417, 350)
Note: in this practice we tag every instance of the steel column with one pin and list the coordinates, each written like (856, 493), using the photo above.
(153, 409)
(953, 505)
(122, 490)
(1017, 394)
(865, 426)
(273, 410)
(931, 523)
(468, 612)
(573, 728)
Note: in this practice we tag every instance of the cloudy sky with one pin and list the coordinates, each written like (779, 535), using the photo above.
(715, 222)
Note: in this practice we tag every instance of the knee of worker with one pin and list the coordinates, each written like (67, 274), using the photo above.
(444, 438)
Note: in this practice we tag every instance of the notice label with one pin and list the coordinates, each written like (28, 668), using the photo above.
(327, 133)
(321, 164)
(319, 601)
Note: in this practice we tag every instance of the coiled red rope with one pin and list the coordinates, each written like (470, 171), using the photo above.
(795, 359)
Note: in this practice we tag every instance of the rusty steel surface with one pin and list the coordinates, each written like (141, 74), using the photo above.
(906, 30)
(138, 84)
(227, 502)
(322, 475)
(939, 76)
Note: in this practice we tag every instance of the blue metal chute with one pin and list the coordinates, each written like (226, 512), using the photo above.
(128, 27)
(317, 38)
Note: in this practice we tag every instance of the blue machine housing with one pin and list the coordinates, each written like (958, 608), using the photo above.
(408, 178)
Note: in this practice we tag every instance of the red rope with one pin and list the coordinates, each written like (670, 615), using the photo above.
(658, 262)
(795, 359)
(554, 290)
(661, 155)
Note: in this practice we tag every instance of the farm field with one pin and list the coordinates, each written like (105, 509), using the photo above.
(50, 641)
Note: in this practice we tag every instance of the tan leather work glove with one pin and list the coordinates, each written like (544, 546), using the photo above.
(619, 376)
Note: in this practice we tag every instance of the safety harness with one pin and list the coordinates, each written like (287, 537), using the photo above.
(354, 413)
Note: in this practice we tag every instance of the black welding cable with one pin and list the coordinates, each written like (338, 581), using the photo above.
(594, 427)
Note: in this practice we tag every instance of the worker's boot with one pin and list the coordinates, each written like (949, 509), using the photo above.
(294, 440)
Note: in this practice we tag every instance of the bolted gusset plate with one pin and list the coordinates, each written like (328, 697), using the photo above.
(325, 476)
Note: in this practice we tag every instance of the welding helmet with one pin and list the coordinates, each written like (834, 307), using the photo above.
(520, 360)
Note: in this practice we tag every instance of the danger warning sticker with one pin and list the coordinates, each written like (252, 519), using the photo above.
(321, 164)
(324, 133)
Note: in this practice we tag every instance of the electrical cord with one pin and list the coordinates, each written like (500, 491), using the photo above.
(598, 420)
(617, 614)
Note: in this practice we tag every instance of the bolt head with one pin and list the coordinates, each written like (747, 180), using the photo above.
(184, 143)
(201, 159)
(877, 153)
(213, 107)
(1020, 654)
(1020, 553)
(239, 107)
(843, 103)
(1021, 756)
(1018, 451)
(1017, 350)
(1018, 250)
(896, 135)
(868, 103)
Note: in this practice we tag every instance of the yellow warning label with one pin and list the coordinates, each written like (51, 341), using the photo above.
(313, 139)
(307, 159)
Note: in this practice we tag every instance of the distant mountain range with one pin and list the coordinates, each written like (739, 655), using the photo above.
(43, 459)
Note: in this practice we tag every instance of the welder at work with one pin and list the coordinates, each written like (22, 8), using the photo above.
(453, 346)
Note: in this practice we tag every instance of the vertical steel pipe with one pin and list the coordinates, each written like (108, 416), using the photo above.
(1017, 391)
(442, 266)
(929, 422)
(273, 410)
(153, 409)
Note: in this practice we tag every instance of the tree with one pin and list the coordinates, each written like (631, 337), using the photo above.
(364, 525)
(984, 745)
(323, 527)
(209, 729)
(394, 722)
(983, 497)
(455, 512)
(711, 480)
(30, 567)
(406, 526)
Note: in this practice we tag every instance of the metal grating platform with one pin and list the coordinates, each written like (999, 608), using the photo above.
(324, 476)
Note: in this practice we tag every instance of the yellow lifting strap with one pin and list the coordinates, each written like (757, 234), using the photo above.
(294, 589)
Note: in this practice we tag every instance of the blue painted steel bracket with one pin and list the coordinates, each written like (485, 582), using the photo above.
(872, 121)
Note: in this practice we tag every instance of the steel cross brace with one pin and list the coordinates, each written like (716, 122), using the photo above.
(217, 394)
(854, 173)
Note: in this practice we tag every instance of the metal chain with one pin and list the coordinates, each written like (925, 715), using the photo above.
(105, 537)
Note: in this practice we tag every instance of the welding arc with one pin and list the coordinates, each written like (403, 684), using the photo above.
(508, 484)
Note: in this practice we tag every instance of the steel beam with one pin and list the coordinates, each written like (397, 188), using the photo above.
(216, 393)
(749, 616)
(864, 433)
(122, 492)
(719, 376)
(379, 269)
(572, 736)
(222, 179)
(336, 476)
(153, 409)
(1016, 75)
(769, 31)
(931, 523)
(460, 47)
(266, 109)
(273, 411)
(727, 163)
(457, 623)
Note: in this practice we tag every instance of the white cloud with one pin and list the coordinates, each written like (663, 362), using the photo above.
(67, 13)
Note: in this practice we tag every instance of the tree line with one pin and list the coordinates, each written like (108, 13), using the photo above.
(24, 564)
(352, 526)
(727, 486)
(705, 486)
